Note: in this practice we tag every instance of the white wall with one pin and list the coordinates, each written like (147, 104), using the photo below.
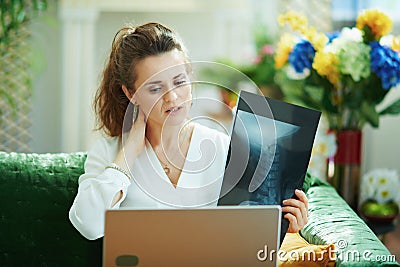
(46, 99)
(381, 147)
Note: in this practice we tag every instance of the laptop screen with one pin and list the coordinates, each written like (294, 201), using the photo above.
(270, 148)
(227, 236)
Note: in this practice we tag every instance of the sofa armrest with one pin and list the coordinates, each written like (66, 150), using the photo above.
(331, 220)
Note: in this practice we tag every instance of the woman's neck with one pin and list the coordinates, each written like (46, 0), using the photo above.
(165, 135)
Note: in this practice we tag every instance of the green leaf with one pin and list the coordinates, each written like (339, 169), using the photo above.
(353, 97)
(7, 97)
(372, 89)
(368, 35)
(327, 103)
(392, 109)
(290, 88)
(35, 4)
(43, 5)
(369, 113)
(315, 92)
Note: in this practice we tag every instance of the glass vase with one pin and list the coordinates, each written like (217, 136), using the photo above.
(344, 167)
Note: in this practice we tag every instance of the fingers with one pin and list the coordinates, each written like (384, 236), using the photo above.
(135, 113)
(298, 221)
(302, 197)
(297, 211)
(298, 205)
(136, 138)
(139, 125)
(139, 119)
(293, 224)
(141, 116)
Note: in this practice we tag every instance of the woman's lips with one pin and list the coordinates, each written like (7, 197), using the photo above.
(173, 110)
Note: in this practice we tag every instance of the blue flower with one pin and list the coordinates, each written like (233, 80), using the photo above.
(385, 63)
(302, 56)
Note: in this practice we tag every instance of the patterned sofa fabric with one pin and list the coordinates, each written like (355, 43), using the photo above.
(37, 191)
(331, 220)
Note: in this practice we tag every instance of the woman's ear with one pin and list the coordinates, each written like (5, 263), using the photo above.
(128, 94)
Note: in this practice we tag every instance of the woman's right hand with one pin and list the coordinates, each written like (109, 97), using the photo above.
(132, 147)
(134, 144)
(136, 138)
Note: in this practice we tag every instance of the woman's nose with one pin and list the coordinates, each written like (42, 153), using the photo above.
(170, 95)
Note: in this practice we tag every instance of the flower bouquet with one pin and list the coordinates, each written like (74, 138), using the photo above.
(379, 195)
(344, 74)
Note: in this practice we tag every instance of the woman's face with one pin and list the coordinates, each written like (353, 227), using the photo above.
(163, 89)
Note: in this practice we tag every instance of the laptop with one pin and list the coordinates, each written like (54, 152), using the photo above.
(270, 149)
(220, 236)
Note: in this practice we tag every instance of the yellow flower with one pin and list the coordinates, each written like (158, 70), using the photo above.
(378, 22)
(284, 47)
(296, 21)
(396, 43)
(318, 40)
(325, 63)
(299, 23)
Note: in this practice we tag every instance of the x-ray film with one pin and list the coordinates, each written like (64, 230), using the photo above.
(270, 148)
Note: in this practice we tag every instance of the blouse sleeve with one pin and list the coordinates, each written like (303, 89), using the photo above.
(97, 189)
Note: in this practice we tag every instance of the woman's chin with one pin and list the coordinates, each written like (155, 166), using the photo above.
(175, 119)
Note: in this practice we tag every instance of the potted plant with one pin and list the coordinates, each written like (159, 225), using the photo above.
(15, 14)
(261, 70)
(379, 195)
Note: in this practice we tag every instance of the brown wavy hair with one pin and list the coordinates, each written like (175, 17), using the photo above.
(129, 47)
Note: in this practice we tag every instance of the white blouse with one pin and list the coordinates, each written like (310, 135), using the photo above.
(150, 188)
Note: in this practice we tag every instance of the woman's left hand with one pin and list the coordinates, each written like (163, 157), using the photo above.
(296, 211)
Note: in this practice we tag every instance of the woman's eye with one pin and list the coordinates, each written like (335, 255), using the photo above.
(180, 82)
(154, 90)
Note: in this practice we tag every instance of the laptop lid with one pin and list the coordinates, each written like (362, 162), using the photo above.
(220, 236)
(270, 148)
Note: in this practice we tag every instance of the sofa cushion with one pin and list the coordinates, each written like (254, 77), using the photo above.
(36, 193)
(311, 181)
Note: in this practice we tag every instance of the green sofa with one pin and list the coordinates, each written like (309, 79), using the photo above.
(37, 191)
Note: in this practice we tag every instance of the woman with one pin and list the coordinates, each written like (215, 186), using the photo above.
(153, 157)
